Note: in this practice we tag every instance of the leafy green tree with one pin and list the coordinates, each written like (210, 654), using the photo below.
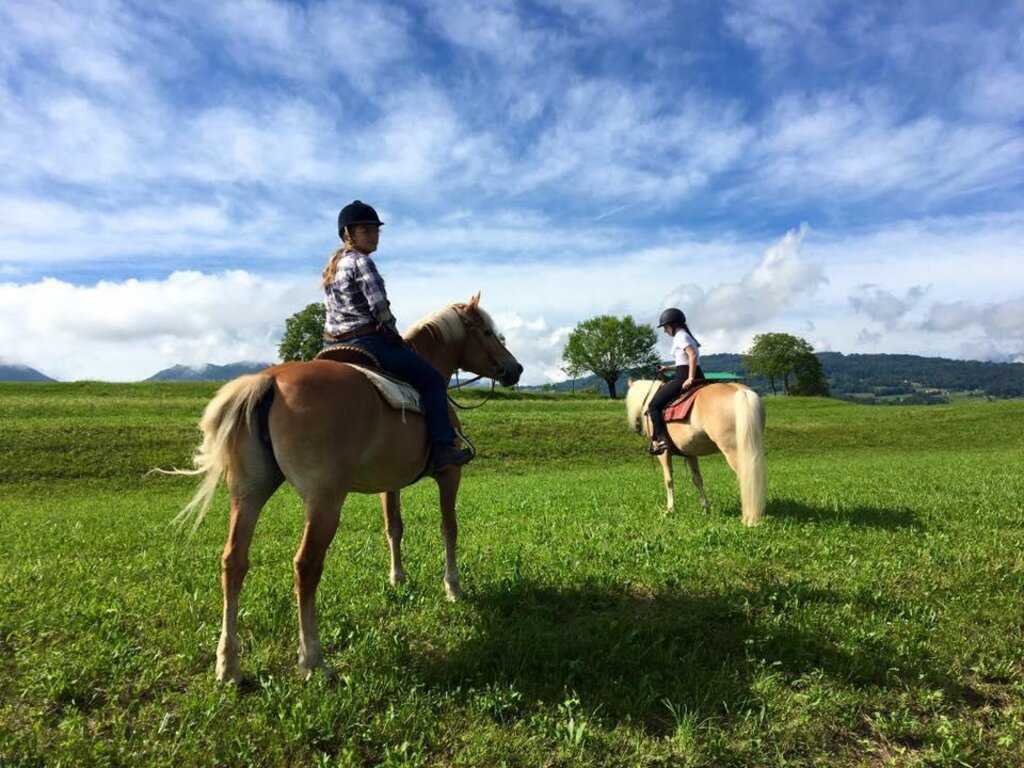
(609, 346)
(777, 356)
(303, 334)
(810, 377)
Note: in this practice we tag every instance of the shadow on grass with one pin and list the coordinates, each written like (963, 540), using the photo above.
(634, 657)
(871, 517)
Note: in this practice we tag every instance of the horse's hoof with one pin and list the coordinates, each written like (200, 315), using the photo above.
(398, 578)
(229, 674)
(453, 592)
(323, 670)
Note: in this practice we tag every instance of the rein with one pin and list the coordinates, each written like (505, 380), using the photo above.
(460, 385)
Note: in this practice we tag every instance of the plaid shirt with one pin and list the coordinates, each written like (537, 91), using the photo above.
(356, 296)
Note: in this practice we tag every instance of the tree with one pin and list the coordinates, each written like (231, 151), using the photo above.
(303, 334)
(779, 356)
(609, 346)
(810, 377)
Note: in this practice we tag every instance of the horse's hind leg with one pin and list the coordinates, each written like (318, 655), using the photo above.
(322, 515)
(448, 485)
(698, 481)
(666, 471)
(391, 503)
(247, 499)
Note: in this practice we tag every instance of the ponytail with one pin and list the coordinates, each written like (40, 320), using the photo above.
(332, 266)
(687, 329)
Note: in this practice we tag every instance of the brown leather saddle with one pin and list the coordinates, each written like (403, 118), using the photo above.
(680, 408)
(350, 353)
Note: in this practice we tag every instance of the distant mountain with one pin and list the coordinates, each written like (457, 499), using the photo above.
(207, 372)
(871, 378)
(21, 373)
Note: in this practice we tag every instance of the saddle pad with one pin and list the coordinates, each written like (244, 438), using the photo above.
(679, 409)
(398, 394)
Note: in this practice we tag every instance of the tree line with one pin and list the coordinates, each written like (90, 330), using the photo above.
(611, 348)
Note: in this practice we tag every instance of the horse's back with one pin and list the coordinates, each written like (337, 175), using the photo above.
(715, 411)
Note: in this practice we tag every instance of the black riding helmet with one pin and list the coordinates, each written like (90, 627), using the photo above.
(357, 212)
(672, 316)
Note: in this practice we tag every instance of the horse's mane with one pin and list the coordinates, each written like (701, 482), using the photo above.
(446, 324)
(636, 397)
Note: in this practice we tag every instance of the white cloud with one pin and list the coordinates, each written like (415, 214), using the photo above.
(495, 29)
(1001, 320)
(314, 41)
(799, 284)
(782, 277)
(775, 29)
(288, 142)
(128, 330)
(34, 231)
(864, 147)
(943, 318)
(884, 306)
(613, 141)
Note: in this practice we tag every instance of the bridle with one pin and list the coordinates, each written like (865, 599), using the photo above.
(472, 326)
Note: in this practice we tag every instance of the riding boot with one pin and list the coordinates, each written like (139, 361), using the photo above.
(659, 444)
(446, 455)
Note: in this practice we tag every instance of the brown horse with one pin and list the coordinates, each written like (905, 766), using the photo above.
(726, 418)
(324, 427)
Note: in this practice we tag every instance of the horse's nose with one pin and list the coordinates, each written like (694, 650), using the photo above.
(513, 370)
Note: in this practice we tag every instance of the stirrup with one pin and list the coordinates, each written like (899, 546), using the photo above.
(659, 447)
(449, 456)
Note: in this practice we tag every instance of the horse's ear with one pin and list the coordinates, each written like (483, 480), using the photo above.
(629, 382)
(474, 303)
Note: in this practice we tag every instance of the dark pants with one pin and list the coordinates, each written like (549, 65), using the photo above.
(398, 359)
(668, 392)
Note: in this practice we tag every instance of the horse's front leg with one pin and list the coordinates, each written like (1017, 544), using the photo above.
(322, 514)
(390, 502)
(698, 481)
(448, 485)
(666, 471)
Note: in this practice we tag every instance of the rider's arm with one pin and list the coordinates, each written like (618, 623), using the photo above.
(372, 285)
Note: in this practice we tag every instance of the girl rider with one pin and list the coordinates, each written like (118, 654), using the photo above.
(359, 313)
(687, 371)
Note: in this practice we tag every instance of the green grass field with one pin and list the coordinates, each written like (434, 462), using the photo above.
(876, 617)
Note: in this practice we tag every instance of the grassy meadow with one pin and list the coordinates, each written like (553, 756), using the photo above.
(875, 617)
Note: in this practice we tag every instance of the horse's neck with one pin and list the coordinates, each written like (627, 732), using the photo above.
(435, 352)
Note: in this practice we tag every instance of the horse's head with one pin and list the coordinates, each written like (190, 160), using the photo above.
(483, 351)
(463, 336)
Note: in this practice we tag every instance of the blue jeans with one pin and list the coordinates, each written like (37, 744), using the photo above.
(398, 359)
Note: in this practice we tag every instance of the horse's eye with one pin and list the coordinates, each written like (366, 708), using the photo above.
(488, 333)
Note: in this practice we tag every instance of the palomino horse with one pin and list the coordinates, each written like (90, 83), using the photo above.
(726, 418)
(324, 427)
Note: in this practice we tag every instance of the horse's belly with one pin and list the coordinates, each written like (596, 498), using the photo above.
(336, 432)
(691, 441)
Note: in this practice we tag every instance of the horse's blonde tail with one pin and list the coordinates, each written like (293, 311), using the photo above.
(750, 454)
(230, 409)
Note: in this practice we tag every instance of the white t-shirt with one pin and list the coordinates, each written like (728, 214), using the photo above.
(680, 342)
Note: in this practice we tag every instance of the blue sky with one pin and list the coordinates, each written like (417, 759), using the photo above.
(170, 174)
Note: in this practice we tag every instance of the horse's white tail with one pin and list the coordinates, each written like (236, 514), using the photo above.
(231, 408)
(750, 454)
